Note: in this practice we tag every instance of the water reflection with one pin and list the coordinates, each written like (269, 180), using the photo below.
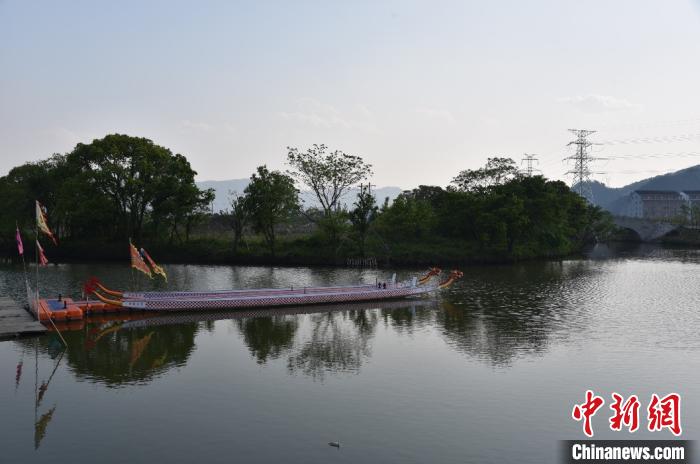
(406, 319)
(115, 353)
(41, 422)
(495, 315)
(268, 337)
(338, 342)
(521, 337)
(492, 339)
(495, 325)
(502, 313)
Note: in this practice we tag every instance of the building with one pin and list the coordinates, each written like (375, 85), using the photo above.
(693, 198)
(662, 204)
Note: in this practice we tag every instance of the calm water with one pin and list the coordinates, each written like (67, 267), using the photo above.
(487, 371)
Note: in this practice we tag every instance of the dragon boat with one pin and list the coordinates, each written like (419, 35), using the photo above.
(253, 298)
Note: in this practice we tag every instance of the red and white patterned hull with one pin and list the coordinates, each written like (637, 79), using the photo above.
(271, 298)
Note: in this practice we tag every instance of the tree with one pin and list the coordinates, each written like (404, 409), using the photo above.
(363, 215)
(20, 188)
(408, 218)
(328, 175)
(496, 172)
(197, 205)
(239, 217)
(137, 177)
(270, 199)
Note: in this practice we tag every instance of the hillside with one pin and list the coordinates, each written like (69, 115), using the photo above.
(222, 189)
(615, 199)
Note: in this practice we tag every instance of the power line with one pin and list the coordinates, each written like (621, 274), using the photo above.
(655, 139)
(582, 163)
(648, 124)
(684, 154)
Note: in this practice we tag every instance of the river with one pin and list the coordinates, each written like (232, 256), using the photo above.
(487, 371)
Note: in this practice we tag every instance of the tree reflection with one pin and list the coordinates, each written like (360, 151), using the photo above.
(404, 319)
(338, 342)
(496, 337)
(117, 354)
(500, 313)
(268, 337)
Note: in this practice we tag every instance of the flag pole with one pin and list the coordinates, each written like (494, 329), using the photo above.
(36, 255)
(131, 267)
(36, 248)
(24, 264)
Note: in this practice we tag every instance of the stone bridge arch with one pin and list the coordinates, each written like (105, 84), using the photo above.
(647, 229)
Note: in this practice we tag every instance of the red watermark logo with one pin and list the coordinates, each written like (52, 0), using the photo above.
(662, 413)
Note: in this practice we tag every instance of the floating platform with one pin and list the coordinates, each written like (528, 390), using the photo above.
(67, 309)
(16, 321)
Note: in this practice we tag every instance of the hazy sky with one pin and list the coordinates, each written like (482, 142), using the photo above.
(420, 89)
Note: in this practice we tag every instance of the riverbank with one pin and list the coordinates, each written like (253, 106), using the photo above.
(305, 251)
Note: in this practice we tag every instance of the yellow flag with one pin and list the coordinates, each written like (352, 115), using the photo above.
(41, 222)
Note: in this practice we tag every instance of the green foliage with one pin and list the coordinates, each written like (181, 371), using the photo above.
(121, 186)
(271, 198)
(496, 172)
(328, 175)
(239, 217)
(362, 216)
(20, 188)
(410, 217)
(500, 217)
(113, 188)
(136, 176)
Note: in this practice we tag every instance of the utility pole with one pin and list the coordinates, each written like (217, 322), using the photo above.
(582, 163)
(368, 187)
(529, 159)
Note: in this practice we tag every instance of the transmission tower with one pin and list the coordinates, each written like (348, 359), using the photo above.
(582, 163)
(529, 159)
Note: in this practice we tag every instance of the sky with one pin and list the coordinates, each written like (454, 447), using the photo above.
(419, 89)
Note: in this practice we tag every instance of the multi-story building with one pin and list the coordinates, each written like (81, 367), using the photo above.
(662, 204)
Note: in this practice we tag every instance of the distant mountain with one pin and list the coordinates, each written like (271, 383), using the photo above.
(616, 200)
(222, 191)
(223, 188)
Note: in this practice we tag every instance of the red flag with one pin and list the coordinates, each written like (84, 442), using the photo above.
(156, 269)
(90, 285)
(137, 261)
(43, 261)
(20, 246)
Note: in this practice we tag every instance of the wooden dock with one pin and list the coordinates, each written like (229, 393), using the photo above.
(15, 321)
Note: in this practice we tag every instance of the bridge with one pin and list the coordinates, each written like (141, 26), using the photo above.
(647, 229)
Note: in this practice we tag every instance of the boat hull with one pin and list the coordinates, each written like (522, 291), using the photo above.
(292, 298)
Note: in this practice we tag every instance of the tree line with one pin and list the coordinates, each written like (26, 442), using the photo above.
(491, 213)
(121, 186)
(112, 189)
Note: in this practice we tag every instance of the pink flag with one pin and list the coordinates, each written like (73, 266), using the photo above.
(20, 246)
